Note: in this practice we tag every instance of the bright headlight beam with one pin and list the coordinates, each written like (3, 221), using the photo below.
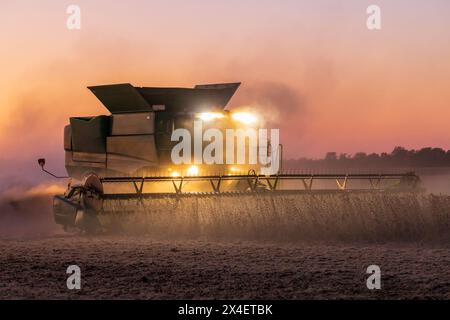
(208, 116)
(192, 171)
(244, 117)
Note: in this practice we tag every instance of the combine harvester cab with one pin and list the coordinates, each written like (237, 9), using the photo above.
(127, 155)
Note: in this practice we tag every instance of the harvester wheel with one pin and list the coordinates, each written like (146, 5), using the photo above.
(93, 192)
(92, 203)
(87, 221)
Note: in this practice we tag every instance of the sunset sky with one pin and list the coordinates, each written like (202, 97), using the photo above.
(313, 67)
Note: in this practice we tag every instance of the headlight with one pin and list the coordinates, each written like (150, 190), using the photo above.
(174, 174)
(244, 117)
(192, 171)
(208, 116)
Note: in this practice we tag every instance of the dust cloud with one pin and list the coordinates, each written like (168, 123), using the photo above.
(276, 102)
(26, 211)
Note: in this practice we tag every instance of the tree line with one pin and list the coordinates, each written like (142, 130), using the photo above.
(399, 157)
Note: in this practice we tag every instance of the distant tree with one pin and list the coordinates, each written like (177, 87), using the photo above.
(399, 152)
(360, 156)
(331, 156)
(447, 156)
(439, 154)
(431, 157)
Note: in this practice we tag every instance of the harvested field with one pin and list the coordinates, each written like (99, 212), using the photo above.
(142, 268)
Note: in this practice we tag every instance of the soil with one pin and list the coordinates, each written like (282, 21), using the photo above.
(126, 267)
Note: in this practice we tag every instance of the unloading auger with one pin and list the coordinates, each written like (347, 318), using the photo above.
(127, 156)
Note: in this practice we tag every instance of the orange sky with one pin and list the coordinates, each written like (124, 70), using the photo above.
(332, 84)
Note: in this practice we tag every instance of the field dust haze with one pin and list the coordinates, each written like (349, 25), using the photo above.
(26, 211)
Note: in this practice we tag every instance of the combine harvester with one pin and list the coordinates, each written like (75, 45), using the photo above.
(123, 160)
